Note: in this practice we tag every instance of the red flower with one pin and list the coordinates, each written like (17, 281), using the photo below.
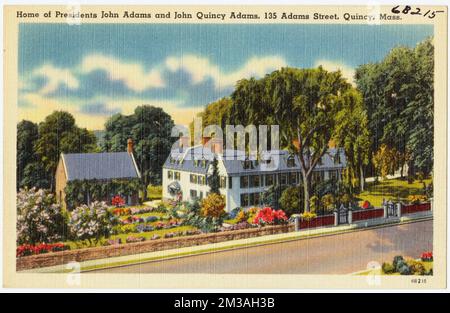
(269, 216)
(118, 201)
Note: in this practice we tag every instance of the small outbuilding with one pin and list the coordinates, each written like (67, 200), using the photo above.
(99, 167)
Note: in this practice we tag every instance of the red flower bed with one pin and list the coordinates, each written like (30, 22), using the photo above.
(427, 256)
(121, 211)
(366, 205)
(25, 250)
(118, 201)
(269, 216)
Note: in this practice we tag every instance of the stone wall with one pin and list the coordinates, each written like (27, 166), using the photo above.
(80, 255)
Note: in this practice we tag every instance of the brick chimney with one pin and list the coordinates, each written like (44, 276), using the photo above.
(130, 145)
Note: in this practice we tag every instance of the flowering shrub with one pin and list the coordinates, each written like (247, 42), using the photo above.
(242, 216)
(125, 229)
(132, 220)
(121, 211)
(25, 250)
(92, 222)
(131, 239)
(267, 216)
(142, 228)
(427, 256)
(307, 216)
(365, 205)
(118, 201)
(151, 219)
(113, 242)
(39, 218)
(416, 199)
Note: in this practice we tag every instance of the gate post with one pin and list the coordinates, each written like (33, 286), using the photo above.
(336, 216)
(399, 209)
(350, 215)
(297, 223)
(385, 209)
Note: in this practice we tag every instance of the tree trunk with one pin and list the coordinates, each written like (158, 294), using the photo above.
(361, 177)
(306, 190)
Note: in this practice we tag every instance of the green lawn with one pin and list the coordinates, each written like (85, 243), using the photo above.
(391, 189)
(147, 235)
(154, 192)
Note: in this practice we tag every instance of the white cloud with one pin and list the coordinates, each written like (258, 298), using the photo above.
(201, 68)
(347, 71)
(134, 76)
(55, 77)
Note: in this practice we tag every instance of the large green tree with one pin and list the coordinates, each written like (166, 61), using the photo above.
(58, 134)
(352, 134)
(398, 97)
(150, 128)
(303, 102)
(27, 134)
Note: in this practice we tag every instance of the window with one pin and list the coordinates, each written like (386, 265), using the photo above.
(193, 178)
(254, 181)
(337, 158)
(204, 163)
(318, 176)
(244, 181)
(293, 178)
(291, 161)
(270, 179)
(193, 194)
(244, 199)
(254, 199)
(169, 174)
(201, 195)
(202, 180)
(195, 163)
(247, 164)
(283, 179)
(230, 182)
(177, 175)
(333, 175)
(320, 162)
(223, 182)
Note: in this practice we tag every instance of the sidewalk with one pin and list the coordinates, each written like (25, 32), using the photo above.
(233, 244)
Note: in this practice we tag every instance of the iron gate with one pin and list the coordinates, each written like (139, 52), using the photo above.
(391, 209)
(343, 215)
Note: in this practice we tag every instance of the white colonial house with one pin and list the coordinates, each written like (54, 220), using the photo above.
(242, 181)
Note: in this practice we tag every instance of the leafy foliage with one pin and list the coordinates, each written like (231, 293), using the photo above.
(27, 134)
(214, 178)
(77, 190)
(304, 102)
(398, 95)
(58, 134)
(213, 206)
(150, 129)
(291, 200)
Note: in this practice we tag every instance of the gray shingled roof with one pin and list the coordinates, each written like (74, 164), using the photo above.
(235, 167)
(101, 166)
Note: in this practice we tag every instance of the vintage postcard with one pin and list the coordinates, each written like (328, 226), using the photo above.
(225, 146)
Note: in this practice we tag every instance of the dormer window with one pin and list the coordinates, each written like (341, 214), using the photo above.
(204, 163)
(337, 158)
(291, 161)
(320, 162)
(248, 164)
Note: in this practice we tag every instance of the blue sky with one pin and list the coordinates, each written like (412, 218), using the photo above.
(95, 70)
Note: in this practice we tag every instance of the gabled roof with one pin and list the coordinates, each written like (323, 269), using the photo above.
(184, 161)
(101, 166)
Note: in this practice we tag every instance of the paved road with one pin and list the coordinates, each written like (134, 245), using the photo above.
(334, 254)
